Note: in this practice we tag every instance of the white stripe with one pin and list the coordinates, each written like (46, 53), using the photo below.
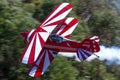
(27, 53)
(33, 71)
(79, 55)
(46, 62)
(49, 29)
(61, 16)
(56, 11)
(37, 48)
(59, 47)
(87, 45)
(44, 35)
(87, 51)
(93, 37)
(62, 27)
(69, 31)
(68, 20)
(83, 54)
(40, 58)
(97, 40)
(29, 35)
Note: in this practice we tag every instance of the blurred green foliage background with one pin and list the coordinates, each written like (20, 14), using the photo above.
(96, 17)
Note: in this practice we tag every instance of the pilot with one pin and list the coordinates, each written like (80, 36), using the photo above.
(56, 38)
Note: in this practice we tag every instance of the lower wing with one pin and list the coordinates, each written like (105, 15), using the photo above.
(66, 28)
(34, 47)
(45, 58)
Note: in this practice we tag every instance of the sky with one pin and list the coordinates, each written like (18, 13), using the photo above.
(111, 54)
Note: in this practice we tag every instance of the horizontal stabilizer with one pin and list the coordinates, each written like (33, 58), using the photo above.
(88, 47)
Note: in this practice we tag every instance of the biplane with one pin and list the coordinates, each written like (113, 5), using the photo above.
(52, 36)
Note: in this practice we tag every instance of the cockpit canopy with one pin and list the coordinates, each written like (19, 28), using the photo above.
(56, 38)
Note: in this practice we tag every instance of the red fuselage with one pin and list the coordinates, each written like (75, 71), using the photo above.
(65, 46)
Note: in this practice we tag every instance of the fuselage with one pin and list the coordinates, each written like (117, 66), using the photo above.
(61, 44)
(64, 46)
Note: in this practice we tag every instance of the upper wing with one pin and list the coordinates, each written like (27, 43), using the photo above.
(42, 63)
(55, 17)
(67, 27)
(38, 37)
(88, 47)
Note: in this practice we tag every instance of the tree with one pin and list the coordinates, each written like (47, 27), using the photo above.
(106, 25)
(93, 70)
(114, 69)
(60, 69)
(13, 20)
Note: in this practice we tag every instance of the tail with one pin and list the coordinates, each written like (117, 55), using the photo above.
(88, 47)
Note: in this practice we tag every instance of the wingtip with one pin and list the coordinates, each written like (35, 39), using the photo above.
(66, 3)
(25, 61)
(24, 34)
(96, 38)
(34, 74)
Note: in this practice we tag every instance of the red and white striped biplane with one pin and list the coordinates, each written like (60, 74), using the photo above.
(49, 38)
